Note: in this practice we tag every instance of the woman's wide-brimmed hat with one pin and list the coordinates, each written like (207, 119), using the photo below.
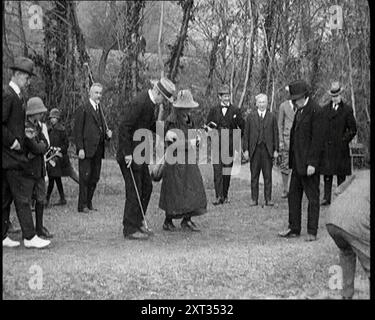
(35, 105)
(55, 113)
(185, 100)
(166, 87)
(336, 89)
(24, 64)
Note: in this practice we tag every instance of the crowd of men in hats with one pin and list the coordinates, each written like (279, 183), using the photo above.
(309, 140)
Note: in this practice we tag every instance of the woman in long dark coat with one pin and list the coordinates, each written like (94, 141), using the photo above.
(182, 191)
(341, 130)
(58, 138)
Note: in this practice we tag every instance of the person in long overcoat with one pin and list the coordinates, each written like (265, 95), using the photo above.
(182, 192)
(341, 130)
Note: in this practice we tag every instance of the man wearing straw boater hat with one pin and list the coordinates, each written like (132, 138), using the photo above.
(340, 131)
(139, 114)
(14, 157)
(90, 133)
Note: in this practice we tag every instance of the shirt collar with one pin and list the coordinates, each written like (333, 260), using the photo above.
(151, 95)
(262, 113)
(291, 105)
(306, 101)
(93, 103)
(15, 87)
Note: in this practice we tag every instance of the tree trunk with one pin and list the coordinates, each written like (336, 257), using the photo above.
(22, 30)
(212, 63)
(160, 53)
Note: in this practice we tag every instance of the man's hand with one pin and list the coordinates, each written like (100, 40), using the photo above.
(310, 170)
(171, 136)
(16, 145)
(81, 154)
(275, 154)
(246, 155)
(128, 160)
(109, 134)
(30, 133)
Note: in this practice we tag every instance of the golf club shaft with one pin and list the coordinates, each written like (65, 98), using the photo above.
(138, 197)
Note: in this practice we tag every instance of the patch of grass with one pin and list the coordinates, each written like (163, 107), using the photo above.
(237, 255)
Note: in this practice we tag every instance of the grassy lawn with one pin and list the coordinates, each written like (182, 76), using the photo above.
(237, 255)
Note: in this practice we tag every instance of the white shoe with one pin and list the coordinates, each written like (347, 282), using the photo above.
(36, 242)
(8, 242)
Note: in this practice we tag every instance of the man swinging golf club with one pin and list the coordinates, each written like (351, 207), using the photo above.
(139, 114)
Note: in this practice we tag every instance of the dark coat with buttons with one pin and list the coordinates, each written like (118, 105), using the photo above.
(341, 129)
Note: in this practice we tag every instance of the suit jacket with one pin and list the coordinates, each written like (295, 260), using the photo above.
(232, 120)
(307, 138)
(271, 132)
(285, 122)
(89, 130)
(13, 127)
(139, 114)
(341, 130)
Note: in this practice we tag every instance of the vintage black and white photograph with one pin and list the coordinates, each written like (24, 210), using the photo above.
(186, 150)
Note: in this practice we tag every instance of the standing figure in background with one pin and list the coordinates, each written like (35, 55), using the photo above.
(341, 130)
(224, 116)
(261, 146)
(285, 121)
(90, 133)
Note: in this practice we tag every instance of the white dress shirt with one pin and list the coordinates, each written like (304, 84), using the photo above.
(262, 113)
(94, 104)
(15, 87)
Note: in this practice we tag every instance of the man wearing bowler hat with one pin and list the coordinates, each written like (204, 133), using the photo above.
(139, 115)
(224, 116)
(340, 131)
(14, 157)
(305, 155)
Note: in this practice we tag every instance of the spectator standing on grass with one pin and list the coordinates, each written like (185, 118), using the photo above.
(261, 146)
(14, 156)
(305, 156)
(285, 121)
(138, 115)
(341, 130)
(182, 193)
(90, 133)
(348, 223)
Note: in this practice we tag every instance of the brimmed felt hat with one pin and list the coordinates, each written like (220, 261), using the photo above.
(297, 90)
(55, 113)
(336, 89)
(24, 64)
(223, 90)
(166, 87)
(35, 105)
(185, 100)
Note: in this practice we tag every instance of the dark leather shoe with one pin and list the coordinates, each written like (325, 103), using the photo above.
(269, 204)
(138, 235)
(44, 233)
(310, 237)
(288, 234)
(62, 202)
(145, 230)
(169, 226)
(253, 203)
(325, 202)
(218, 201)
(189, 226)
(90, 207)
(84, 210)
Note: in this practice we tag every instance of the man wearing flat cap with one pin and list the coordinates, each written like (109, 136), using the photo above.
(14, 158)
(305, 156)
(224, 116)
(139, 114)
(341, 130)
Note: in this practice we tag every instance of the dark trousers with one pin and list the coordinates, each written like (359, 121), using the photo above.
(328, 179)
(51, 184)
(350, 248)
(309, 185)
(133, 218)
(16, 187)
(89, 174)
(261, 161)
(222, 181)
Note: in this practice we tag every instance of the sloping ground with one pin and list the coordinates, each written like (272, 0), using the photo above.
(237, 255)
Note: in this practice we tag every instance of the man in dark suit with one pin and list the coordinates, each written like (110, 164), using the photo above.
(90, 132)
(224, 116)
(14, 160)
(261, 146)
(305, 155)
(340, 131)
(139, 115)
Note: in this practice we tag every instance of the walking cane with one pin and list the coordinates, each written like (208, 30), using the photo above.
(140, 203)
